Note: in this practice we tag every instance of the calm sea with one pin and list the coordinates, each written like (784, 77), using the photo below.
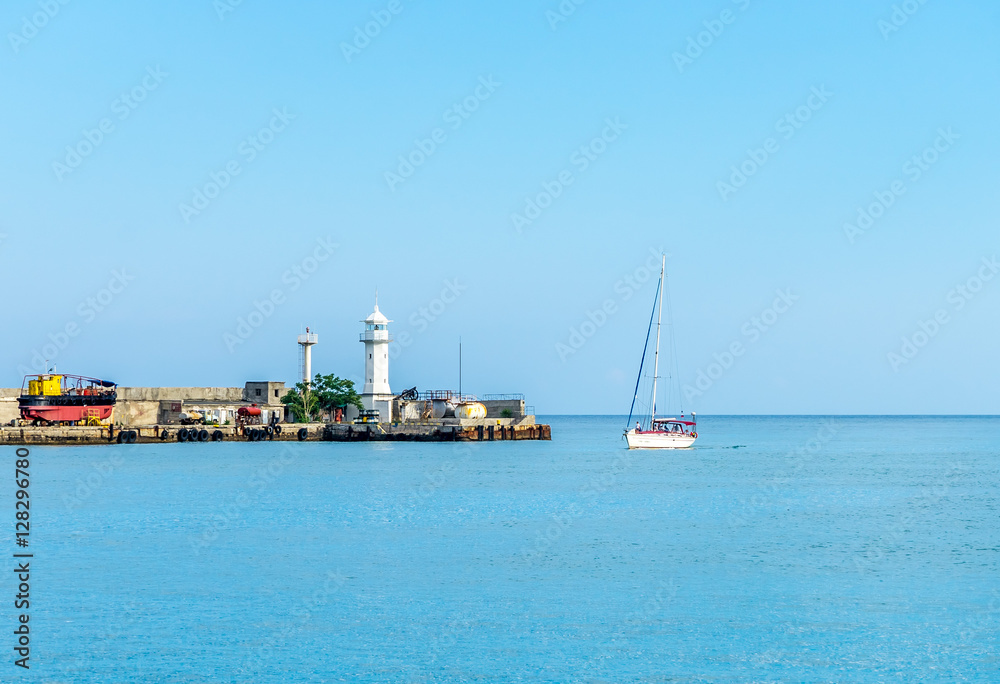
(780, 549)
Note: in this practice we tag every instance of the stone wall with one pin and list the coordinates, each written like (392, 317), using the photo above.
(495, 408)
(8, 408)
(225, 394)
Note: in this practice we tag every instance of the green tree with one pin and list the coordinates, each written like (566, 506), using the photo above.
(303, 402)
(324, 393)
(334, 393)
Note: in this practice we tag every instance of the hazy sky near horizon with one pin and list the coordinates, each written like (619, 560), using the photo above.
(823, 177)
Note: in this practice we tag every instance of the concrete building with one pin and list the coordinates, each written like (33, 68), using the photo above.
(264, 393)
(376, 394)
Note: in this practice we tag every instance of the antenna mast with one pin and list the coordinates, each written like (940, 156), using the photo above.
(656, 356)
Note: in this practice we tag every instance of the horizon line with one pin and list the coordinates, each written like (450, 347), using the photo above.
(793, 415)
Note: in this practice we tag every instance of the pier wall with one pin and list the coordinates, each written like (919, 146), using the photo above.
(8, 404)
(494, 408)
(221, 394)
(440, 431)
(154, 405)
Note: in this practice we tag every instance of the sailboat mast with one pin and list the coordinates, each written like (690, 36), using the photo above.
(656, 356)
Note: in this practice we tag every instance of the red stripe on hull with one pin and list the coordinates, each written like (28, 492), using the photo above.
(55, 414)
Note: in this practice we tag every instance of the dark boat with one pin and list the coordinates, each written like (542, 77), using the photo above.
(54, 398)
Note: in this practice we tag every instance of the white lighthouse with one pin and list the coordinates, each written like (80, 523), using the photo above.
(376, 393)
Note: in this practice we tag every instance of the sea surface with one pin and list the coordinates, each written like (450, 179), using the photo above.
(779, 549)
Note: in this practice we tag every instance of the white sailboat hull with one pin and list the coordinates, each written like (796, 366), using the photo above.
(658, 440)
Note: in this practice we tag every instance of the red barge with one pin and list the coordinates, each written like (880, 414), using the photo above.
(48, 399)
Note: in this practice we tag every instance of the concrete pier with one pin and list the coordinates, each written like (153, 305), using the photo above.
(485, 430)
(464, 431)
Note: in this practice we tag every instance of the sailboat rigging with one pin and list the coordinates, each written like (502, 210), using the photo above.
(662, 433)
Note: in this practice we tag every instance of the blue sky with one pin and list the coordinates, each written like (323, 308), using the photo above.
(612, 116)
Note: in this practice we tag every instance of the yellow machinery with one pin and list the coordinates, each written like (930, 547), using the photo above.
(91, 416)
(46, 385)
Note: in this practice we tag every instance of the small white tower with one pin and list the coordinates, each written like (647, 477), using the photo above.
(376, 393)
(306, 342)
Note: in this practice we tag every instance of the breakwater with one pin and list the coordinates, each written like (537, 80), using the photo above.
(458, 431)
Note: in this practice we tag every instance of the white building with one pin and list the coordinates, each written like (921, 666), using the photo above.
(376, 393)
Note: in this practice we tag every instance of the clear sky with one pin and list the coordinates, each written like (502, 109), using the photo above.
(168, 165)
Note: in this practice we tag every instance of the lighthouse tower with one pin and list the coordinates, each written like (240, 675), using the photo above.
(376, 393)
(305, 363)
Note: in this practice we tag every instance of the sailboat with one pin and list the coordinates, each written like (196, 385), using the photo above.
(659, 433)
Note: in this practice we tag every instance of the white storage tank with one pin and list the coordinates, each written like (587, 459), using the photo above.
(442, 408)
(471, 410)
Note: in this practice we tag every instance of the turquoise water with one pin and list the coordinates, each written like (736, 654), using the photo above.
(780, 549)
